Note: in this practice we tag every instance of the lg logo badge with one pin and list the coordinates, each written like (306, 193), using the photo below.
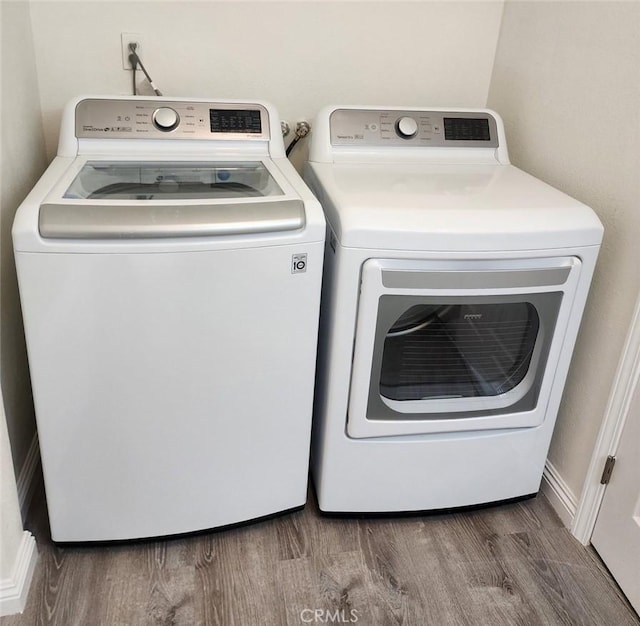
(298, 263)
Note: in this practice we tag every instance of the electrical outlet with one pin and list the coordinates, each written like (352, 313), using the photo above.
(126, 39)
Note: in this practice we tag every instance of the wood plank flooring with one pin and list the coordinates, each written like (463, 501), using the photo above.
(510, 564)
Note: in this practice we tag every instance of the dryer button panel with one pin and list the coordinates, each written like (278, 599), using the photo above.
(437, 129)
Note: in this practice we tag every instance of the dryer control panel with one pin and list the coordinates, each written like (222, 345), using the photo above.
(161, 119)
(437, 129)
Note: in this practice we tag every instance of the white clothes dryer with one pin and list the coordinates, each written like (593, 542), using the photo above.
(169, 265)
(453, 292)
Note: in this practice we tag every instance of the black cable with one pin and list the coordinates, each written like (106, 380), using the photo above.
(134, 66)
(136, 58)
(292, 145)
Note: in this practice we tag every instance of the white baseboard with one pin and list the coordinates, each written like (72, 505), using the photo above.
(560, 496)
(14, 590)
(26, 480)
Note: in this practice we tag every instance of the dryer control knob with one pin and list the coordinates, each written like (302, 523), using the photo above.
(406, 127)
(165, 119)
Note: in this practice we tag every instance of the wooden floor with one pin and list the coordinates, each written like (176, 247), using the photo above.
(512, 564)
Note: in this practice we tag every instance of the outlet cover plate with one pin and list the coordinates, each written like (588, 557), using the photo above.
(126, 39)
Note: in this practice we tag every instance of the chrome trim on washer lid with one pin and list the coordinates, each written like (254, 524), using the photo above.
(123, 221)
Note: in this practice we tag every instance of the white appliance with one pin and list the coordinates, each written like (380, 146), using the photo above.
(169, 265)
(454, 287)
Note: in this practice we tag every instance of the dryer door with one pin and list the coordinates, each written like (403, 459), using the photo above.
(458, 345)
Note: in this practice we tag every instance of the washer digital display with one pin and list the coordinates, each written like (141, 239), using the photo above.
(235, 121)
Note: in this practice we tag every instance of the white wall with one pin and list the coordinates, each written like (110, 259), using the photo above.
(567, 82)
(298, 55)
(23, 160)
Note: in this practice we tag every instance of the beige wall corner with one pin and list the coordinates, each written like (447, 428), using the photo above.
(23, 161)
(565, 81)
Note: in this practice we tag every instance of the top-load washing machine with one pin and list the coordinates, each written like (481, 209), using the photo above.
(453, 292)
(169, 265)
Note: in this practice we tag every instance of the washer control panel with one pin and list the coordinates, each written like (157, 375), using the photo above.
(161, 119)
(438, 129)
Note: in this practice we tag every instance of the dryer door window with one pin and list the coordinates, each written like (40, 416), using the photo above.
(458, 350)
(467, 355)
(457, 346)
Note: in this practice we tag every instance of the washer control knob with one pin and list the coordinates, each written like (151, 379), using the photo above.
(406, 127)
(165, 119)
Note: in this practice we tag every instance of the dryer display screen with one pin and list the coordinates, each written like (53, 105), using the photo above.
(235, 121)
(466, 129)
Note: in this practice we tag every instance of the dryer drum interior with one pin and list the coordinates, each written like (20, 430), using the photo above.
(454, 357)
(458, 351)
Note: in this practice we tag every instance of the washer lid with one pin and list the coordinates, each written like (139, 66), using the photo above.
(138, 199)
(448, 207)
